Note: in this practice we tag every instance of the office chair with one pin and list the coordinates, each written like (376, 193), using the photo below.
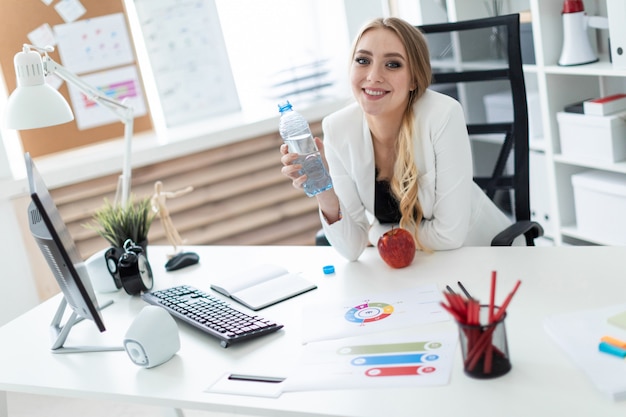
(468, 76)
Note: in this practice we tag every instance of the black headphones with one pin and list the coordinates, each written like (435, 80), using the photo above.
(132, 270)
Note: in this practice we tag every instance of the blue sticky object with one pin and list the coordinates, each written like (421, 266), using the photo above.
(612, 350)
(329, 269)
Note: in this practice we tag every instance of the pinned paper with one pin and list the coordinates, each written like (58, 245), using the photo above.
(42, 36)
(70, 10)
(94, 44)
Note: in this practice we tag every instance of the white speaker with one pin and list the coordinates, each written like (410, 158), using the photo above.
(152, 338)
(101, 278)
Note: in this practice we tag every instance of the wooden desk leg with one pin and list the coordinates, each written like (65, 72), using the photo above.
(4, 404)
(165, 412)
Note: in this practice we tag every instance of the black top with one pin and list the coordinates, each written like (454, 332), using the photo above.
(386, 207)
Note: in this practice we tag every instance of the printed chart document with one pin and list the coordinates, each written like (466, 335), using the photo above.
(578, 334)
(375, 313)
(262, 286)
(374, 361)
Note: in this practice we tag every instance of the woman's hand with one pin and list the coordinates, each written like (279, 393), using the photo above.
(290, 169)
(294, 171)
(327, 200)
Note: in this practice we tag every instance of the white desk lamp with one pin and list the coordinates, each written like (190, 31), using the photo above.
(35, 104)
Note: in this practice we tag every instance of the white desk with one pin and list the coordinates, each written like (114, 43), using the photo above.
(542, 382)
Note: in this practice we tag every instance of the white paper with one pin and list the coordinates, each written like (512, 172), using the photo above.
(225, 385)
(379, 312)
(188, 59)
(94, 44)
(375, 361)
(70, 10)
(42, 36)
(121, 84)
(579, 333)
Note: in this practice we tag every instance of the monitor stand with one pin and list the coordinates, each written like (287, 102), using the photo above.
(59, 332)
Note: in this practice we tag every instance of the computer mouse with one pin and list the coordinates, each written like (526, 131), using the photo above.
(182, 260)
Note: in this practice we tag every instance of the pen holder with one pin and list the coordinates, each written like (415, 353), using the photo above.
(484, 346)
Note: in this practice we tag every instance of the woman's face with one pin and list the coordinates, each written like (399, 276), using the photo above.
(379, 74)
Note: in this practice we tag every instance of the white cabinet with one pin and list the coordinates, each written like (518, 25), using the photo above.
(558, 87)
(550, 88)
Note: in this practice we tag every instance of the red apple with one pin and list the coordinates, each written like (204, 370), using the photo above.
(397, 247)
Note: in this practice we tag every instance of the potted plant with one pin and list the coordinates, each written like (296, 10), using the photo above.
(117, 223)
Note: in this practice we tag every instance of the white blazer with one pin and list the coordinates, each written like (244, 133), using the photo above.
(456, 211)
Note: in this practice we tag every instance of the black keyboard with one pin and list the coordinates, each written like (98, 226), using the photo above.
(210, 314)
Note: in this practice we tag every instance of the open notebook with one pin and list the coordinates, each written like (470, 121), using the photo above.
(262, 286)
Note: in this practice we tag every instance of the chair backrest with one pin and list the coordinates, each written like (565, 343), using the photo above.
(479, 63)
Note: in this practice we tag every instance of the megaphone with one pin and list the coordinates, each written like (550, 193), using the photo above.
(577, 49)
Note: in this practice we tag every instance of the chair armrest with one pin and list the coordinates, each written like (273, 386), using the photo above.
(320, 238)
(531, 230)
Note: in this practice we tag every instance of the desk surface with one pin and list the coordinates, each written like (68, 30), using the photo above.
(543, 380)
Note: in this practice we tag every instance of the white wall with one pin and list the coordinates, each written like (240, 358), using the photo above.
(16, 280)
(358, 12)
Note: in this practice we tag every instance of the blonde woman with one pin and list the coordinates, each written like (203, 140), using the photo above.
(400, 154)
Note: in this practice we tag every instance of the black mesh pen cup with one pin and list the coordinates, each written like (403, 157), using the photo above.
(484, 346)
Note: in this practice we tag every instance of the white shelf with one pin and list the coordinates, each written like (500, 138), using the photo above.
(601, 68)
(560, 85)
(572, 231)
(555, 86)
(530, 69)
(537, 144)
(614, 167)
(468, 65)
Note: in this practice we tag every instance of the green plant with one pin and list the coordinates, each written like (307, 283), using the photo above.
(117, 223)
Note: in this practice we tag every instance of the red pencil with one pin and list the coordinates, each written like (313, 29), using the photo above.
(502, 309)
(492, 296)
(492, 302)
(452, 312)
(481, 344)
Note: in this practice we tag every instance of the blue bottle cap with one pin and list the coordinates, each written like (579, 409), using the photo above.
(284, 106)
(329, 269)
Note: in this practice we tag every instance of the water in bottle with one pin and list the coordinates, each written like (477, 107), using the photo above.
(295, 131)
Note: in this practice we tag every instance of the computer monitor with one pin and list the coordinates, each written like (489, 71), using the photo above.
(60, 251)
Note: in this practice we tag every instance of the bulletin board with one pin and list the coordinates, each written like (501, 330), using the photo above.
(21, 17)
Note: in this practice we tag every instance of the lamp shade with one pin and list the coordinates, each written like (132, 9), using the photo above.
(34, 103)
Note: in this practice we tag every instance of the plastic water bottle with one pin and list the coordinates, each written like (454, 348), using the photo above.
(295, 131)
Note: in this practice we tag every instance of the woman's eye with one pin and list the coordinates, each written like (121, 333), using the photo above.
(362, 61)
(394, 65)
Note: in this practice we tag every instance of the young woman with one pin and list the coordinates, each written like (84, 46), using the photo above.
(400, 154)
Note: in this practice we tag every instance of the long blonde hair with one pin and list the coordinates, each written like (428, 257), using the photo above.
(404, 182)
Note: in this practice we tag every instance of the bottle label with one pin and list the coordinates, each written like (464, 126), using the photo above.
(301, 144)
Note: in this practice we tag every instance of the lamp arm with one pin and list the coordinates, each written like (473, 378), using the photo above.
(121, 110)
